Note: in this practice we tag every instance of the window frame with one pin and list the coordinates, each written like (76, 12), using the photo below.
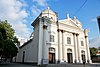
(52, 38)
(68, 40)
(82, 43)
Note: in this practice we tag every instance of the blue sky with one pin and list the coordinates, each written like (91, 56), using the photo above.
(25, 11)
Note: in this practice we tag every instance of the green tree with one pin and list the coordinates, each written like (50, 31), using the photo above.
(6, 30)
(10, 49)
(1, 44)
(8, 41)
(93, 52)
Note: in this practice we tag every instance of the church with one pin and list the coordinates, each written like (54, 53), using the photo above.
(55, 41)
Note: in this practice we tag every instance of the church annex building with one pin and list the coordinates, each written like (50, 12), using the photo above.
(55, 41)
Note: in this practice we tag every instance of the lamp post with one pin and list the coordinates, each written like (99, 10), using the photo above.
(98, 19)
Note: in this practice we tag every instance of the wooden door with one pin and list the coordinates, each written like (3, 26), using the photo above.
(69, 57)
(83, 57)
(51, 57)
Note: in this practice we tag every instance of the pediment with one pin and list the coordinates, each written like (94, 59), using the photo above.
(70, 22)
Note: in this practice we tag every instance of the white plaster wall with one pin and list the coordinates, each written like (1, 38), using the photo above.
(52, 30)
(31, 49)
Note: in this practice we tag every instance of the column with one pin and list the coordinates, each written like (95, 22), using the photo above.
(63, 46)
(75, 47)
(59, 46)
(87, 50)
(78, 48)
(40, 41)
(44, 50)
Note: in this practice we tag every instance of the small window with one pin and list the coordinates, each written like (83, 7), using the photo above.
(68, 40)
(42, 19)
(82, 44)
(45, 16)
(51, 17)
(51, 38)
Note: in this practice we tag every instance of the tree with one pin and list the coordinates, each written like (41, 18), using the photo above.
(6, 30)
(98, 48)
(1, 44)
(8, 48)
(93, 52)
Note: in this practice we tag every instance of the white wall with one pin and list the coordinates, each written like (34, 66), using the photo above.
(31, 49)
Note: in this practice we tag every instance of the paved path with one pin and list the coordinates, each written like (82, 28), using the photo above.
(50, 65)
(15, 65)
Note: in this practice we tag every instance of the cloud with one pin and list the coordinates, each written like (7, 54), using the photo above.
(41, 2)
(95, 42)
(12, 11)
(38, 6)
(94, 20)
(35, 10)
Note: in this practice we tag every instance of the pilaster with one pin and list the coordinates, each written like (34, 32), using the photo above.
(44, 49)
(75, 47)
(59, 46)
(63, 45)
(87, 49)
(40, 42)
(78, 48)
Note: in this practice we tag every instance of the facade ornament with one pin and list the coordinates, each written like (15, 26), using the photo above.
(75, 17)
(48, 8)
(67, 16)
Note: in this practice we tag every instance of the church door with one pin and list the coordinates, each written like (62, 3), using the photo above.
(23, 56)
(69, 56)
(51, 55)
(83, 55)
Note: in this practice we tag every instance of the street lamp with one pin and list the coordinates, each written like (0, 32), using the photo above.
(98, 18)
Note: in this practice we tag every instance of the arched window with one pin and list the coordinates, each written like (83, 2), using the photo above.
(83, 52)
(52, 50)
(51, 17)
(69, 50)
(51, 38)
(68, 40)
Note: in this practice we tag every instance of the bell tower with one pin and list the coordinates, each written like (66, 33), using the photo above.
(49, 14)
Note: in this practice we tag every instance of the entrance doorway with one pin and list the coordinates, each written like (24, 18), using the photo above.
(51, 55)
(69, 56)
(83, 55)
(23, 57)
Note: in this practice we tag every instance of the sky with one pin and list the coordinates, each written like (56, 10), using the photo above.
(21, 13)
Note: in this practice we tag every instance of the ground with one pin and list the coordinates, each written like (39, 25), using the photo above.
(50, 65)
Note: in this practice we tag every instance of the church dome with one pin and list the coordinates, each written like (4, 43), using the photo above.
(48, 11)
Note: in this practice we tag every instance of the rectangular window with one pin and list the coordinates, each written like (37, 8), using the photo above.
(51, 38)
(82, 44)
(68, 40)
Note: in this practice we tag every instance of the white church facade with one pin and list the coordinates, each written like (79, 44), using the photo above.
(55, 41)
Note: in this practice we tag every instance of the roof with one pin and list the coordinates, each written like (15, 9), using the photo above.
(26, 43)
(72, 22)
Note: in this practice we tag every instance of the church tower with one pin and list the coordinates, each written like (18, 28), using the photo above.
(43, 24)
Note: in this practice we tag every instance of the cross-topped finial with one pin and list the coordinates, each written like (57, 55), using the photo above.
(74, 17)
(67, 15)
(48, 8)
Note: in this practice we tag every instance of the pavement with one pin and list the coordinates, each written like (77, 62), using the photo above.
(16, 65)
(49, 65)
